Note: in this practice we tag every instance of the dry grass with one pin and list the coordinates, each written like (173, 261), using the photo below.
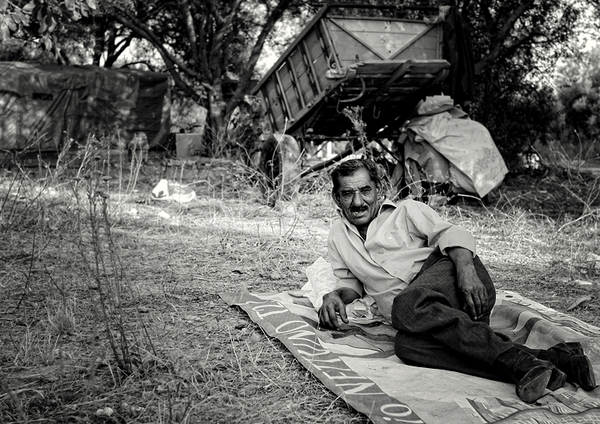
(162, 346)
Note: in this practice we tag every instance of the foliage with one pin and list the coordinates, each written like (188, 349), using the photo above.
(518, 119)
(41, 19)
(520, 37)
(578, 86)
(210, 48)
(516, 45)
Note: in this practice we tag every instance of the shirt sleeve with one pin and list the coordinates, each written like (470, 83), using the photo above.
(439, 233)
(340, 269)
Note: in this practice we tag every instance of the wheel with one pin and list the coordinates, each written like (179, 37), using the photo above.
(279, 162)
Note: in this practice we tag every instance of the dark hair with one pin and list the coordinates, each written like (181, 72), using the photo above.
(349, 167)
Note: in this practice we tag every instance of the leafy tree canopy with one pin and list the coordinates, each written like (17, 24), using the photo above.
(578, 87)
(209, 47)
(517, 45)
(42, 19)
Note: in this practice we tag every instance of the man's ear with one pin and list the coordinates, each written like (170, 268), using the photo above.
(336, 199)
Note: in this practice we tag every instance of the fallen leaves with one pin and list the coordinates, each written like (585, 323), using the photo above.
(578, 302)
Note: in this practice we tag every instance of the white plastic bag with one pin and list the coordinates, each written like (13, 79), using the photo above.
(169, 190)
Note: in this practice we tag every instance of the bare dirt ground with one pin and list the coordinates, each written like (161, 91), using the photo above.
(117, 317)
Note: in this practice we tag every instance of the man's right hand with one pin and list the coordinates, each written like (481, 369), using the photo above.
(332, 305)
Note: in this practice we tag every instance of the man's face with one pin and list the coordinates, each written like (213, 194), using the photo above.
(358, 198)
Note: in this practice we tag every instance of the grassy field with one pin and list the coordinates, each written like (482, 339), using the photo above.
(110, 306)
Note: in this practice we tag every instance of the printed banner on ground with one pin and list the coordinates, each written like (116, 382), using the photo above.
(359, 364)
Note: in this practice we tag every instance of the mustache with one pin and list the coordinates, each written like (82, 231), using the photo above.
(358, 208)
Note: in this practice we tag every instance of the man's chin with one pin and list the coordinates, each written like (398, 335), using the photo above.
(357, 221)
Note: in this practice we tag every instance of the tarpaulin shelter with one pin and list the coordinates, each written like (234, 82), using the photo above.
(441, 145)
(43, 105)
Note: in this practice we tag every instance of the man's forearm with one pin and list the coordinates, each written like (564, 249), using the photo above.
(460, 256)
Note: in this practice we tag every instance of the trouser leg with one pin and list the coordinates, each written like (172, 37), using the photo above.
(429, 317)
(427, 352)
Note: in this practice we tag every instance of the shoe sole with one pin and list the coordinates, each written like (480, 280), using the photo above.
(533, 385)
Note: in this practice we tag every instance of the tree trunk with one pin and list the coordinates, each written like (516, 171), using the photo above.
(217, 123)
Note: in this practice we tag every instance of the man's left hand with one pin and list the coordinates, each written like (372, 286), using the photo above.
(473, 290)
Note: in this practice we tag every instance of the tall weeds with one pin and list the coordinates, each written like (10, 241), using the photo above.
(33, 207)
(116, 297)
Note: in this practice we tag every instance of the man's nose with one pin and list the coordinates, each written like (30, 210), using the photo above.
(357, 199)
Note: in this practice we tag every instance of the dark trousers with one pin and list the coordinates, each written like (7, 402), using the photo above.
(434, 330)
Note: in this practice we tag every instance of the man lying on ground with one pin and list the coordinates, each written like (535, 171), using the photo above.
(427, 280)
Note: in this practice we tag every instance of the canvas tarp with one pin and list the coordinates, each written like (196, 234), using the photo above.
(42, 105)
(448, 147)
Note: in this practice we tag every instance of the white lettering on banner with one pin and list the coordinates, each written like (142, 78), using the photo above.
(395, 416)
(315, 352)
(303, 324)
(260, 308)
(328, 361)
(360, 387)
(307, 345)
(314, 344)
(338, 372)
(301, 334)
(344, 376)
(323, 367)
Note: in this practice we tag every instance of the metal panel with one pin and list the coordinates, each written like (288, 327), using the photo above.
(318, 57)
(370, 39)
(428, 46)
(296, 64)
(286, 80)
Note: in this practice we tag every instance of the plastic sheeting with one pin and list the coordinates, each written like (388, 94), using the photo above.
(42, 105)
(449, 147)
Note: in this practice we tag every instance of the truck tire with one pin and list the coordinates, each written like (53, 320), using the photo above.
(279, 162)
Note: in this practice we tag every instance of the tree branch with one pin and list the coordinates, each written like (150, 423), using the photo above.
(171, 62)
(216, 51)
(188, 21)
(500, 39)
(246, 76)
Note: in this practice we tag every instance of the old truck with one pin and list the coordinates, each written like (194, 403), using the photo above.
(371, 64)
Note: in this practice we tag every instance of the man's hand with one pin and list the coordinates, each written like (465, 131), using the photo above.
(334, 303)
(473, 290)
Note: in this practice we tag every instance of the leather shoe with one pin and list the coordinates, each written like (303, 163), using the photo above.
(530, 374)
(569, 358)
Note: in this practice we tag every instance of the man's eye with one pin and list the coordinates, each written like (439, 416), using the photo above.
(366, 190)
(347, 194)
